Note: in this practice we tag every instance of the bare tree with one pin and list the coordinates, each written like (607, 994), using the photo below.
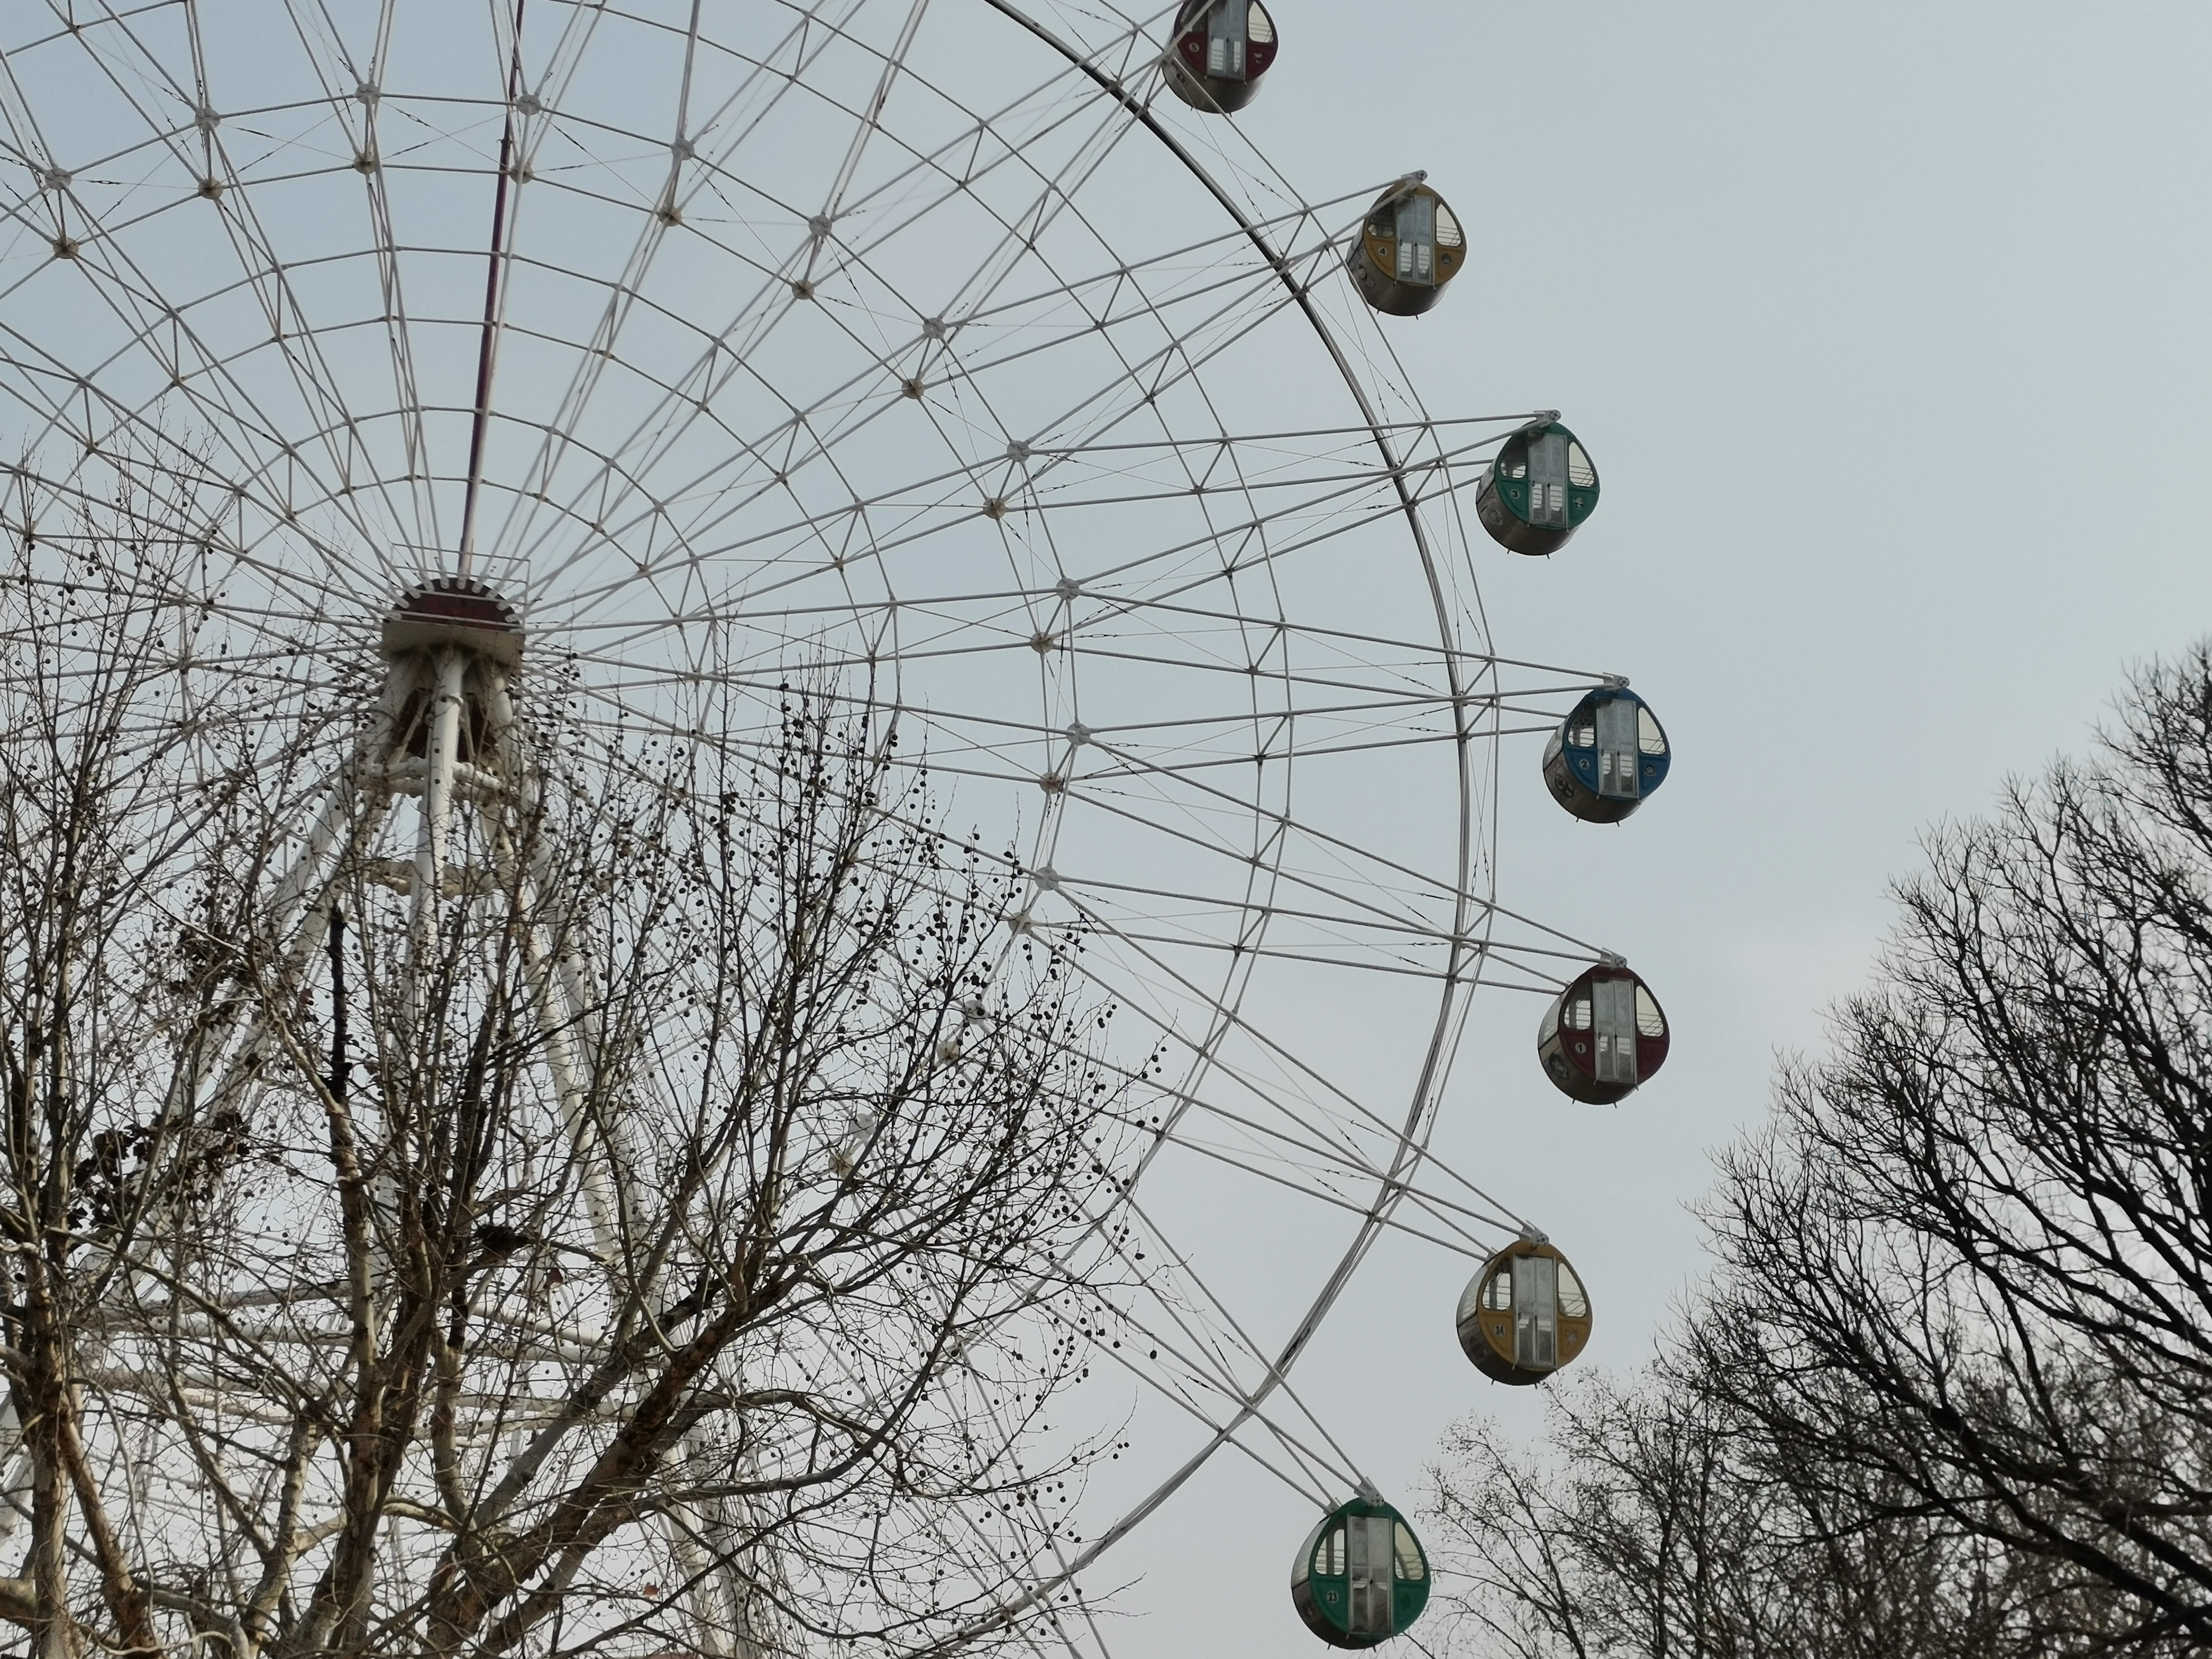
(1950, 1388)
(1634, 1539)
(1653, 1522)
(1973, 1257)
(480, 1179)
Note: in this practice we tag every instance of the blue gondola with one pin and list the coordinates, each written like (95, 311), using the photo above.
(1607, 756)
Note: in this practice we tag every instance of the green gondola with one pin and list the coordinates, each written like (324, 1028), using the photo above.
(1538, 490)
(1361, 1576)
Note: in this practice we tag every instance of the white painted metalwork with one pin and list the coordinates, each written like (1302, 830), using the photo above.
(907, 346)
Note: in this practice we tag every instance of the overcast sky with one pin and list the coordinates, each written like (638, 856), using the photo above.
(1885, 325)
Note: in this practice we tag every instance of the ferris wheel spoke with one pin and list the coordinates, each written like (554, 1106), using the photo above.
(884, 547)
(1221, 1434)
(1314, 1127)
(1177, 747)
(131, 294)
(934, 490)
(1148, 598)
(962, 1529)
(894, 63)
(873, 370)
(1200, 1385)
(1177, 349)
(365, 143)
(691, 552)
(1298, 1139)
(1308, 1475)
(1364, 919)
(550, 88)
(1306, 1147)
(1298, 1146)
(1202, 1360)
(1025, 228)
(1246, 300)
(233, 419)
(1326, 487)
(1060, 1618)
(1379, 871)
(1385, 911)
(399, 339)
(736, 356)
(914, 373)
(1293, 1177)
(1334, 1117)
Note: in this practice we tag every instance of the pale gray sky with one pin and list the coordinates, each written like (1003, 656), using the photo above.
(1886, 326)
(1882, 325)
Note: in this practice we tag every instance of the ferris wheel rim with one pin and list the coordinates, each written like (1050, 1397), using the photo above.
(1412, 1142)
(1469, 942)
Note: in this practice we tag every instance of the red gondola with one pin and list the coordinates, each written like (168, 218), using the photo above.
(1604, 1035)
(1221, 49)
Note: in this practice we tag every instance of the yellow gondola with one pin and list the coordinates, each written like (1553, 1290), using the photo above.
(1525, 1314)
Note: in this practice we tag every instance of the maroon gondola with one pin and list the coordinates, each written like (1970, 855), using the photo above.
(1604, 1035)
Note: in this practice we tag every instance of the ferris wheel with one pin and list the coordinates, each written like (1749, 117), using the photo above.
(957, 361)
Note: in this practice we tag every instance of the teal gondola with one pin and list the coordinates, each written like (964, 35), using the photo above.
(1538, 491)
(1361, 1575)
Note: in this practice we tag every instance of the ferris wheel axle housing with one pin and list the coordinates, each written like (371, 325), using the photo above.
(450, 642)
(453, 613)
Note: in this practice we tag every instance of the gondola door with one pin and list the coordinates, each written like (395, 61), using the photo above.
(1371, 1582)
(1535, 1313)
(1618, 741)
(1547, 480)
(1417, 245)
(1615, 1033)
(1227, 31)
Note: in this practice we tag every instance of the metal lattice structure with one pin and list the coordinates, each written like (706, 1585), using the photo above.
(627, 362)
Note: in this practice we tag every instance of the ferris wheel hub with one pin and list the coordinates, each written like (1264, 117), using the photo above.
(448, 613)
